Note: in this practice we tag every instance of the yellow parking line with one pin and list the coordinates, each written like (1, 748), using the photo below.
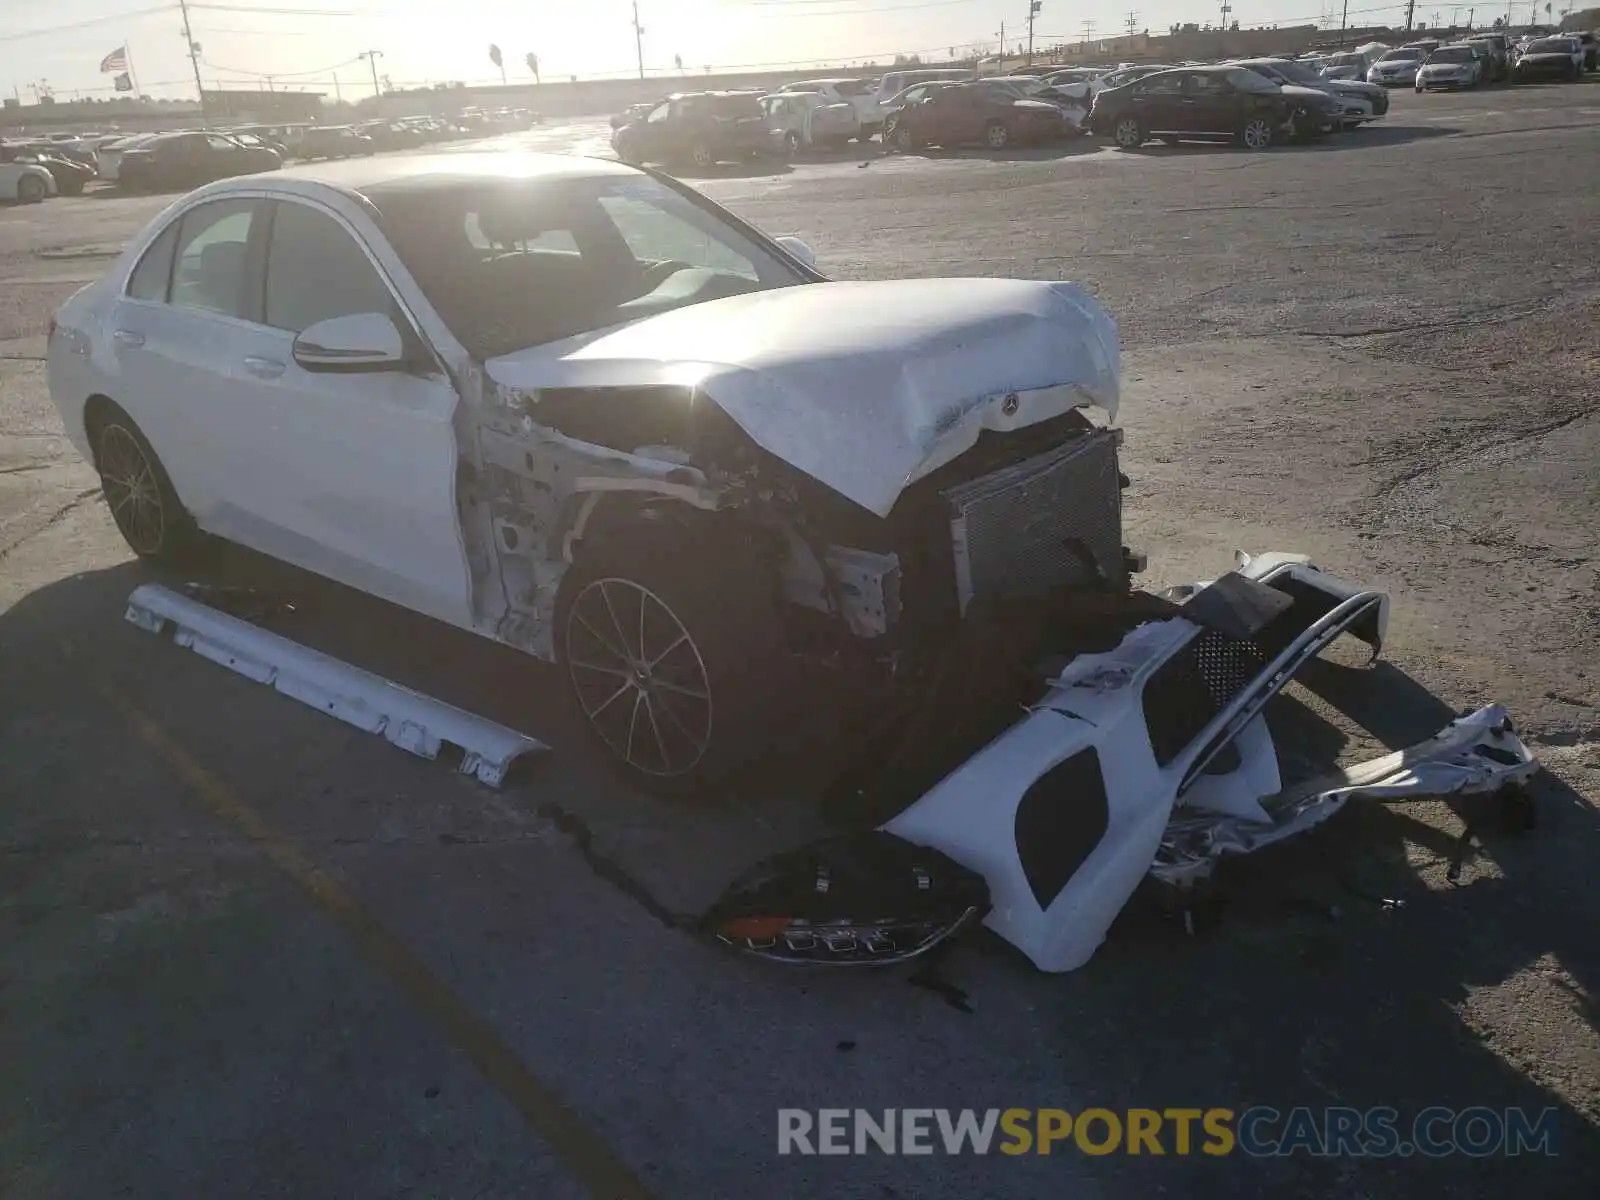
(596, 1168)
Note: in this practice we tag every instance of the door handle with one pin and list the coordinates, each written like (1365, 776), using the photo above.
(263, 368)
(127, 337)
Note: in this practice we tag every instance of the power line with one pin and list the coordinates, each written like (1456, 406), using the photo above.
(125, 15)
(349, 62)
(273, 10)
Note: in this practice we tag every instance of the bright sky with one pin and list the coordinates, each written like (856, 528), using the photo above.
(306, 42)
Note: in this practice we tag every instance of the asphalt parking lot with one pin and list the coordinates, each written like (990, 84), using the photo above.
(246, 951)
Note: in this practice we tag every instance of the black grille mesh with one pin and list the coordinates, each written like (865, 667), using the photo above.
(1193, 686)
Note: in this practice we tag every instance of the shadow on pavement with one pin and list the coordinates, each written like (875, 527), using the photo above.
(1337, 971)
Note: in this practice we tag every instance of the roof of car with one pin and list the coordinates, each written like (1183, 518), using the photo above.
(399, 173)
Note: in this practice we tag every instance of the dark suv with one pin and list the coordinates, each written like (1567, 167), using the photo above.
(699, 128)
(1207, 103)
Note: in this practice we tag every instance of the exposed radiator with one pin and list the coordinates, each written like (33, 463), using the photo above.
(1050, 521)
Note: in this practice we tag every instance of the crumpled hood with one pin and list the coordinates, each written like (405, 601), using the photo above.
(864, 386)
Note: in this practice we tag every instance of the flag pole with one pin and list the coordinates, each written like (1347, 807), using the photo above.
(133, 76)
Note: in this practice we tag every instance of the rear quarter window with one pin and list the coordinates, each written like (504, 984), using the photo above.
(154, 272)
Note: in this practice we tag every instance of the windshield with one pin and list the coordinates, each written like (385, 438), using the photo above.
(1249, 81)
(1452, 54)
(509, 265)
(1298, 72)
(1404, 53)
(1550, 46)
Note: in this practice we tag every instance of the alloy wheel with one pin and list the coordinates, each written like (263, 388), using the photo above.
(639, 677)
(700, 155)
(996, 137)
(1127, 133)
(131, 489)
(1257, 134)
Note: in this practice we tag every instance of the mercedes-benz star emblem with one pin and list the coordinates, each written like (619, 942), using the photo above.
(1010, 404)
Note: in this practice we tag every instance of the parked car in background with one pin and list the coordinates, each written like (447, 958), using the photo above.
(700, 129)
(108, 157)
(633, 112)
(809, 120)
(70, 177)
(1077, 80)
(1360, 102)
(1397, 68)
(892, 83)
(911, 95)
(1549, 58)
(1452, 67)
(1590, 44)
(174, 162)
(25, 183)
(1497, 68)
(391, 135)
(980, 113)
(333, 141)
(1208, 104)
(1127, 74)
(857, 94)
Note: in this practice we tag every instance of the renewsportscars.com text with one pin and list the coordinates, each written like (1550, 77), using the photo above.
(1259, 1131)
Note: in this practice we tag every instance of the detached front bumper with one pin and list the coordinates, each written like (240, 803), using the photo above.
(1153, 759)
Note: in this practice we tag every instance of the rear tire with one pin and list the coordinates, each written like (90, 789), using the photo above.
(672, 650)
(139, 492)
(700, 155)
(900, 136)
(31, 189)
(996, 136)
(1128, 133)
(1256, 134)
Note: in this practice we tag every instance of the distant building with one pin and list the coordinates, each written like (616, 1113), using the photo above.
(261, 107)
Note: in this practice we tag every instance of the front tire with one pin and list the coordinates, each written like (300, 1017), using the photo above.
(673, 653)
(700, 155)
(901, 138)
(996, 136)
(139, 493)
(31, 189)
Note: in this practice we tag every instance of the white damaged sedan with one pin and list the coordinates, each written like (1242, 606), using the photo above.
(577, 408)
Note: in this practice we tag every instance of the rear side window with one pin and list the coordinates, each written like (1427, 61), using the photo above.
(213, 256)
(150, 278)
(316, 271)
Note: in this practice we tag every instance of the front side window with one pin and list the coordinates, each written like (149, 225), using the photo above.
(316, 271)
(1161, 85)
(1249, 81)
(656, 234)
(212, 256)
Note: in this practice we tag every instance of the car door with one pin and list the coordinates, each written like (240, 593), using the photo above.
(175, 336)
(653, 132)
(1155, 101)
(350, 474)
(1206, 104)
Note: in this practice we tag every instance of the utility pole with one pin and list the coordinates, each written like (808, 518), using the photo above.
(194, 59)
(1088, 32)
(1132, 23)
(1344, 23)
(1033, 10)
(372, 57)
(638, 38)
(1471, 12)
(1226, 9)
(1411, 6)
(1002, 47)
(337, 97)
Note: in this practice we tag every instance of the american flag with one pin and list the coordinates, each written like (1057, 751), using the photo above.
(117, 60)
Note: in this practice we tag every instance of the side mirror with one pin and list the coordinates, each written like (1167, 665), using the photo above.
(359, 342)
(798, 249)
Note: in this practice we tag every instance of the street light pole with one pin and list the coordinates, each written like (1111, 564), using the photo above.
(1033, 10)
(638, 38)
(194, 59)
(372, 57)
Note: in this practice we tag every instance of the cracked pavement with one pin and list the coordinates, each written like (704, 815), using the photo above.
(1384, 351)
